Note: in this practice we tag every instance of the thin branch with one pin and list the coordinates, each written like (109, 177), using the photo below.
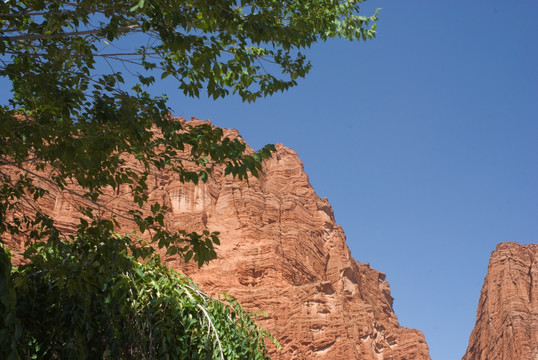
(96, 204)
(32, 205)
(124, 54)
(4, 161)
(57, 12)
(67, 34)
(208, 318)
(214, 330)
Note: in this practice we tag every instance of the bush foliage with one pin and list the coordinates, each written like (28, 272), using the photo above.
(89, 298)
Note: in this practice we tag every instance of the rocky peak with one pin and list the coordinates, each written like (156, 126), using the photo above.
(282, 253)
(507, 316)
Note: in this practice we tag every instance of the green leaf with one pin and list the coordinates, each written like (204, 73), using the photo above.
(215, 239)
(188, 255)
(139, 5)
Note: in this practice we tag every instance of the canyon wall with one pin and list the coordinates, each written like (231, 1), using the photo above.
(507, 316)
(282, 253)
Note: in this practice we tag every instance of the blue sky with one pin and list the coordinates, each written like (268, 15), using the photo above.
(425, 142)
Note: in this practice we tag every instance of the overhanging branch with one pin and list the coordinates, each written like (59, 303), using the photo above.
(31, 37)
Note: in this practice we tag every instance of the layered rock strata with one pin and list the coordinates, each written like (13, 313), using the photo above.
(507, 316)
(282, 253)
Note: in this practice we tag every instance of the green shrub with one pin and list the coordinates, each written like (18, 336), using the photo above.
(91, 299)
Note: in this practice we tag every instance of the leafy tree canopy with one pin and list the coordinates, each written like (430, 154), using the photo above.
(78, 121)
(73, 118)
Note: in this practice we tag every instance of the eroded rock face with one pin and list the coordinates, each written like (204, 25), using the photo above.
(282, 253)
(507, 316)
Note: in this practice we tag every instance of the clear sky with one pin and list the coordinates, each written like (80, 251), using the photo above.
(425, 142)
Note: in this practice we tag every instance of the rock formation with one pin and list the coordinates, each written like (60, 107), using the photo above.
(282, 253)
(507, 316)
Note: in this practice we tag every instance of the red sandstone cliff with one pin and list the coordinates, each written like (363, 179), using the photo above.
(507, 316)
(282, 253)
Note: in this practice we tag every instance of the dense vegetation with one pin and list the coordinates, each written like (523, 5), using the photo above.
(71, 122)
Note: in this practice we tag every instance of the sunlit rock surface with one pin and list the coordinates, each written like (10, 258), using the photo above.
(281, 253)
(507, 316)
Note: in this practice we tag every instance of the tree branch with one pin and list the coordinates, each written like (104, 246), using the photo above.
(67, 34)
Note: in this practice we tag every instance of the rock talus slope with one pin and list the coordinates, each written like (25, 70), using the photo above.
(507, 316)
(282, 253)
